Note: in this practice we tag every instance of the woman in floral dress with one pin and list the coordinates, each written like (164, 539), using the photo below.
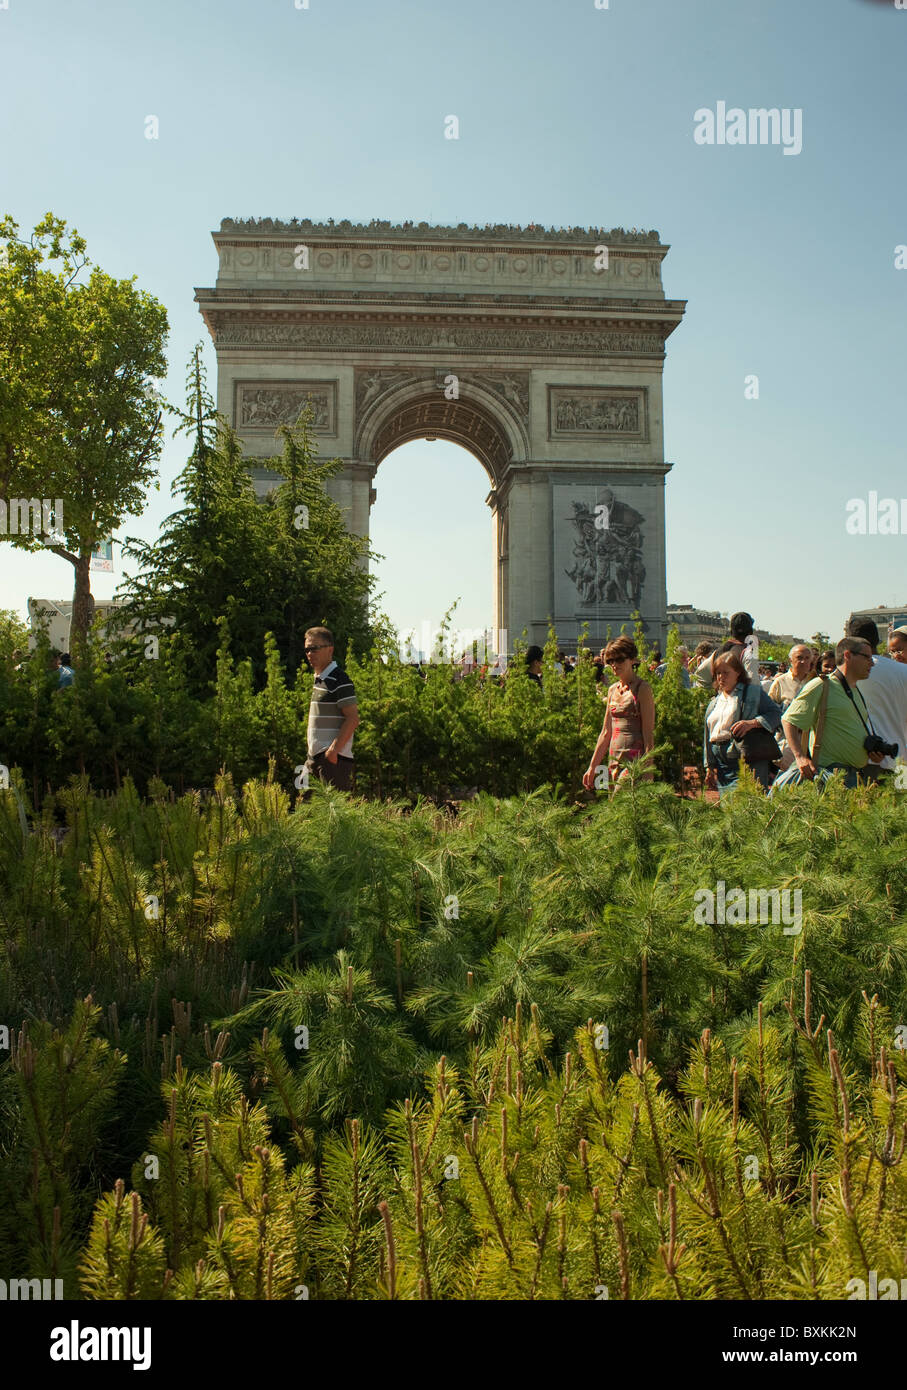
(629, 728)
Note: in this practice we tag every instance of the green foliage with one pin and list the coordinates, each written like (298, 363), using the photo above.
(77, 422)
(347, 950)
(265, 571)
(522, 1180)
(679, 718)
(357, 1056)
(221, 1217)
(56, 1095)
(33, 299)
(13, 637)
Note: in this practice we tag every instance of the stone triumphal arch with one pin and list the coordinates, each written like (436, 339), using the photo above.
(540, 351)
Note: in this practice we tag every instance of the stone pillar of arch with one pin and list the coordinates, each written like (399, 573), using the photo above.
(540, 351)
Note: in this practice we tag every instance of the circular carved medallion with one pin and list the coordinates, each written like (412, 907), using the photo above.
(325, 258)
(246, 257)
(520, 264)
(635, 269)
(404, 262)
(481, 262)
(442, 263)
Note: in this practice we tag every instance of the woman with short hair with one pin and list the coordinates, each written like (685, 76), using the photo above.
(741, 707)
(628, 731)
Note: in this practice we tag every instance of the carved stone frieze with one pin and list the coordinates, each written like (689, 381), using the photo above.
(447, 338)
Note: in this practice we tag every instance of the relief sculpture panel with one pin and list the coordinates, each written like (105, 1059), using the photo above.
(600, 543)
(269, 404)
(575, 412)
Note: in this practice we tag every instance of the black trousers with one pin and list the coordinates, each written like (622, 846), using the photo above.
(338, 774)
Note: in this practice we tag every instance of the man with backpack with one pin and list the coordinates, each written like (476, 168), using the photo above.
(743, 643)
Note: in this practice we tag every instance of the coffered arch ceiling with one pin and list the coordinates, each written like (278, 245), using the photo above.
(476, 419)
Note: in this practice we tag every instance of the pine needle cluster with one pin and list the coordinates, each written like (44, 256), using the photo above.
(239, 1109)
(518, 1179)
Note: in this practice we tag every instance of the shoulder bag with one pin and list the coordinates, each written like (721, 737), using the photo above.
(757, 746)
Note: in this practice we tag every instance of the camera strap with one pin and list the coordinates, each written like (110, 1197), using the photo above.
(850, 695)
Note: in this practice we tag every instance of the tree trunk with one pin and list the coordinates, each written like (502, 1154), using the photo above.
(82, 607)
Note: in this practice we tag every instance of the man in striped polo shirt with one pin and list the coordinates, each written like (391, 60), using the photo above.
(333, 713)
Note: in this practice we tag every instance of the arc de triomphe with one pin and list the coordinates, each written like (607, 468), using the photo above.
(540, 351)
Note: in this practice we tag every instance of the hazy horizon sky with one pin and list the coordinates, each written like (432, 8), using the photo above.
(569, 115)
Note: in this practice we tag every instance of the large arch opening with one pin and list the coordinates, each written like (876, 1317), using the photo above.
(424, 435)
(430, 523)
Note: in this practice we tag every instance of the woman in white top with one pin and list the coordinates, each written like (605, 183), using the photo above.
(740, 707)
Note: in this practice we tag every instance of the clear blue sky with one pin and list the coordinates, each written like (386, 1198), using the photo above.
(569, 115)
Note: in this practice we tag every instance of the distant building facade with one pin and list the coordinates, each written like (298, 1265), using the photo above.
(696, 625)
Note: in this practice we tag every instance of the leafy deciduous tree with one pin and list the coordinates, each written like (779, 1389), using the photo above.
(78, 421)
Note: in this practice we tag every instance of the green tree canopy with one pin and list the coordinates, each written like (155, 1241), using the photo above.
(276, 567)
(78, 421)
(13, 634)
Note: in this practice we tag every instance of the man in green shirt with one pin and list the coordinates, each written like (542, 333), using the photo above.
(846, 717)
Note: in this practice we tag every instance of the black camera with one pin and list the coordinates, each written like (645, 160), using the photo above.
(873, 744)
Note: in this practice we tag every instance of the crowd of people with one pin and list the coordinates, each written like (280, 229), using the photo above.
(803, 721)
(799, 720)
(61, 663)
